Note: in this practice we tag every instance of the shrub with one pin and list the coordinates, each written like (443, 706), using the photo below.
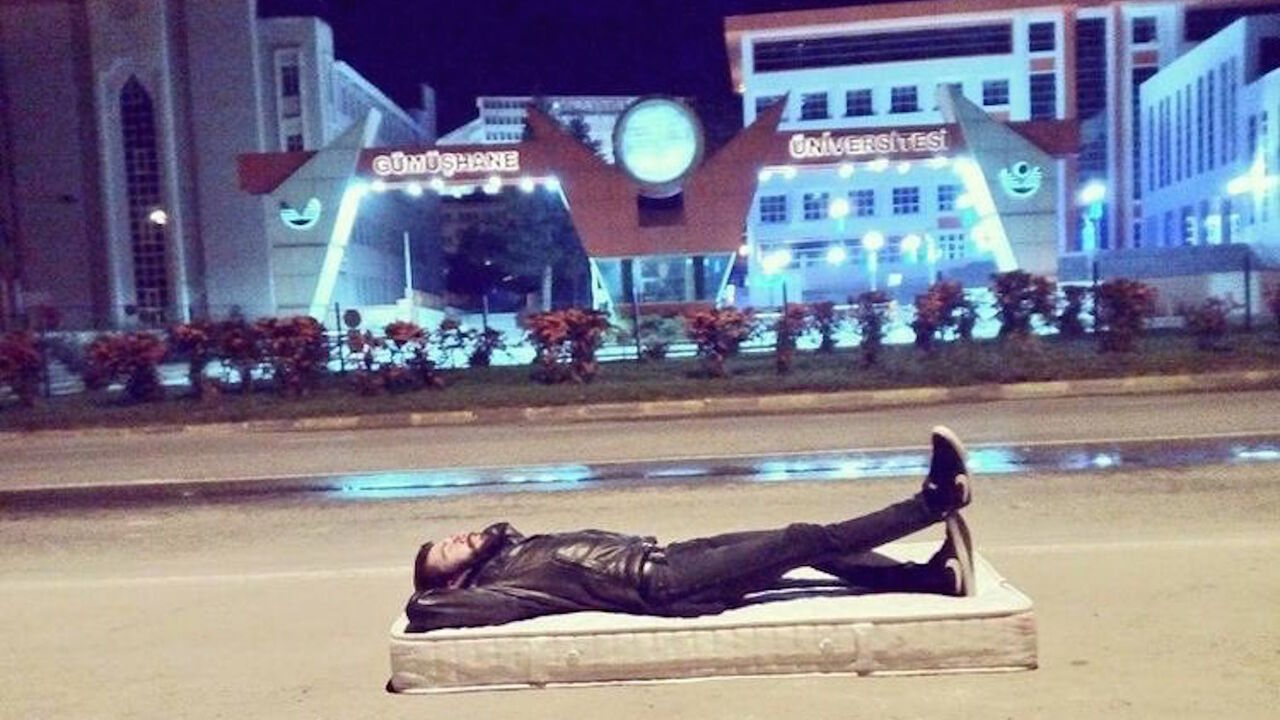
(411, 364)
(943, 309)
(297, 350)
(239, 345)
(1272, 295)
(194, 341)
(1123, 307)
(792, 322)
(362, 348)
(131, 358)
(452, 339)
(871, 315)
(20, 366)
(566, 342)
(1068, 320)
(483, 345)
(1019, 297)
(718, 333)
(827, 322)
(1207, 321)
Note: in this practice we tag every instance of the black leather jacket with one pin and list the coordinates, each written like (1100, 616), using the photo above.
(541, 575)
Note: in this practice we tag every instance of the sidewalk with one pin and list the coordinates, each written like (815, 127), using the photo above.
(781, 404)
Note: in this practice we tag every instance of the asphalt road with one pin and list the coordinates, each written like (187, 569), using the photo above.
(1155, 591)
(59, 459)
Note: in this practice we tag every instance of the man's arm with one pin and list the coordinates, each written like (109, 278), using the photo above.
(470, 607)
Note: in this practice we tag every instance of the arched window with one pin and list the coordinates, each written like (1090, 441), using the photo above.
(147, 216)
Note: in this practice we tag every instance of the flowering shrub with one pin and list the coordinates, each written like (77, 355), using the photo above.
(942, 309)
(1123, 307)
(20, 366)
(1272, 295)
(549, 333)
(411, 362)
(566, 342)
(131, 358)
(871, 314)
(792, 322)
(195, 341)
(362, 347)
(1019, 296)
(451, 339)
(1207, 321)
(297, 350)
(718, 333)
(825, 319)
(586, 333)
(239, 345)
(1068, 320)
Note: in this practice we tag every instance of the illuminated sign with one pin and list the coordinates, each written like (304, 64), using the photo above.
(448, 164)
(1021, 179)
(302, 219)
(893, 142)
(657, 141)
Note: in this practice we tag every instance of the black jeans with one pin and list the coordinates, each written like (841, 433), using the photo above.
(724, 568)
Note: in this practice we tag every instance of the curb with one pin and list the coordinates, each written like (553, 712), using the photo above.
(844, 401)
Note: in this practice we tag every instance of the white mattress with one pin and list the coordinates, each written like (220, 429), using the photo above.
(796, 633)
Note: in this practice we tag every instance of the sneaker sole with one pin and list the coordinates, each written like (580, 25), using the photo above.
(961, 540)
(949, 435)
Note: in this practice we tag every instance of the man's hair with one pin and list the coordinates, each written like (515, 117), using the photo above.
(427, 578)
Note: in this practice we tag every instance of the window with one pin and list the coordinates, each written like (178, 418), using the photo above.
(951, 247)
(864, 202)
(947, 195)
(815, 205)
(892, 251)
(764, 101)
(859, 103)
(293, 143)
(1188, 225)
(995, 92)
(1176, 129)
(813, 106)
(143, 195)
(289, 81)
(1044, 96)
(906, 200)
(904, 99)
(1210, 112)
(773, 209)
(1144, 30)
(1040, 37)
(863, 48)
(1200, 125)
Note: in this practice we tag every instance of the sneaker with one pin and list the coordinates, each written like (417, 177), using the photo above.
(946, 487)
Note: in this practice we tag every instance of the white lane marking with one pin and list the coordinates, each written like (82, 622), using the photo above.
(1261, 541)
(645, 460)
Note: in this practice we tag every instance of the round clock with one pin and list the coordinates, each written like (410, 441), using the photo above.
(658, 141)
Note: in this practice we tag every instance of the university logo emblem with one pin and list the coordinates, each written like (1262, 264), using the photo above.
(302, 219)
(1021, 179)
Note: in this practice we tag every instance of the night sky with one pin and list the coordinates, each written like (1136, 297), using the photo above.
(465, 48)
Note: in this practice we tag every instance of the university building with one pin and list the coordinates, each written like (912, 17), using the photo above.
(120, 126)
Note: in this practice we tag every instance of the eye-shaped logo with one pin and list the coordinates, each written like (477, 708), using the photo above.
(1021, 179)
(300, 219)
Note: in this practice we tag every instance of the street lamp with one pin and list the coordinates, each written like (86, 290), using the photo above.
(773, 263)
(1091, 198)
(911, 246)
(872, 242)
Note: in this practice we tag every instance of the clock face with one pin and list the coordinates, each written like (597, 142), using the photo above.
(658, 141)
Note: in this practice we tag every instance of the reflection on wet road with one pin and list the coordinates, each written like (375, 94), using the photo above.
(816, 466)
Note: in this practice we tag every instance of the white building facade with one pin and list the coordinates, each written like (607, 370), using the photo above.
(120, 127)
(1211, 145)
(884, 66)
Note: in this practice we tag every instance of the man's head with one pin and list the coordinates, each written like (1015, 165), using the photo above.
(443, 564)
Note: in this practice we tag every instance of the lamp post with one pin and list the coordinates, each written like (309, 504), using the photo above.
(872, 242)
(773, 264)
(1091, 197)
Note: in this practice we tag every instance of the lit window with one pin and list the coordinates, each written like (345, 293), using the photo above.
(947, 195)
(995, 92)
(859, 103)
(813, 106)
(906, 200)
(773, 209)
(904, 99)
(815, 205)
(864, 202)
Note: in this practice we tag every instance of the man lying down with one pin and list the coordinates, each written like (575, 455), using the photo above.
(497, 575)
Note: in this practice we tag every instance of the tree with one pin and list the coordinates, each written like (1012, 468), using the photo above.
(581, 132)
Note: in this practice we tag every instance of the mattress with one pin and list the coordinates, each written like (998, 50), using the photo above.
(810, 627)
